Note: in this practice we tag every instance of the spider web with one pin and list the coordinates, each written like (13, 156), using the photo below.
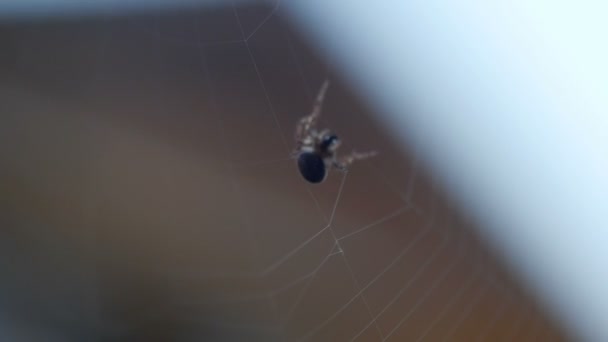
(399, 269)
(374, 254)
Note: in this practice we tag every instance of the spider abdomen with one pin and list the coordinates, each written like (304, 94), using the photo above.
(312, 167)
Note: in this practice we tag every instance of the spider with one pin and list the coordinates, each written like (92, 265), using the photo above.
(316, 150)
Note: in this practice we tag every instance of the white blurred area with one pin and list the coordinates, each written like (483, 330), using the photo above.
(508, 102)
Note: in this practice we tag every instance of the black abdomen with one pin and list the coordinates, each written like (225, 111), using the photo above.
(312, 167)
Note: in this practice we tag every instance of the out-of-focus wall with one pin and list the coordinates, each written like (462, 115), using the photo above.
(149, 196)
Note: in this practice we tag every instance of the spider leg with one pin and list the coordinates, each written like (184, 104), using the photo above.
(308, 122)
(343, 163)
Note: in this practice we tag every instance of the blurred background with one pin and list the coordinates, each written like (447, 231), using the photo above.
(148, 195)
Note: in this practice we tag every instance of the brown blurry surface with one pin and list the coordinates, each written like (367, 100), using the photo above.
(148, 196)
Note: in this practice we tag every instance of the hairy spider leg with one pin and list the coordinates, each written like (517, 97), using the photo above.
(308, 123)
(343, 163)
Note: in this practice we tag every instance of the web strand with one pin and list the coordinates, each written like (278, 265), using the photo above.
(270, 15)
(294, 251)
(309, 282)
(467, 311)
(378, 276)
(376, 223)
(259, 75)
(336, 244)
(452, 301)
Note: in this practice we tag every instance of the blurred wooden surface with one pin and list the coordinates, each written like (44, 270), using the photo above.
(148, 196)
